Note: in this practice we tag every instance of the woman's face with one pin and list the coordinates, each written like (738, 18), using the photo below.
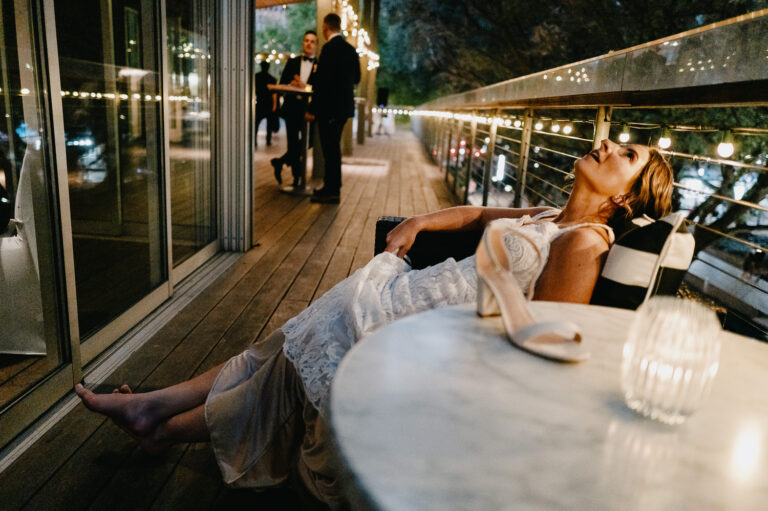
(611, 169)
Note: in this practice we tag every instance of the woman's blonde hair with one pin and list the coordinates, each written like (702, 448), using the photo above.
(650, 194)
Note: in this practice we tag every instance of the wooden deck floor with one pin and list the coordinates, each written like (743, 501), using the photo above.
(86, 462)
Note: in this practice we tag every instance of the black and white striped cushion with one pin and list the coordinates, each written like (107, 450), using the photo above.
(650, 259)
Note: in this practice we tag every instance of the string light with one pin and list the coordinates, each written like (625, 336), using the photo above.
(624, 135)
(349, 24)
(665, 141)
(725, 147)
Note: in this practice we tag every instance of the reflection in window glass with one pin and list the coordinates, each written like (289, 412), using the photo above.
(29, 333)
(193, 220)
(111, 102)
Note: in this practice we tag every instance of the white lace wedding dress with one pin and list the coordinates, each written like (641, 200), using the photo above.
(386, 289)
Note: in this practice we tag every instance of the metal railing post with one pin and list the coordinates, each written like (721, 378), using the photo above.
(458, 149)
(438, 149)
(447, 154)
(491, 148)
(602, 125)
(522, 162)
(471, 149)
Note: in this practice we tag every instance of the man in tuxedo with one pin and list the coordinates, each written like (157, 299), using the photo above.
(333, 102)
(266, 100)
(298, 72)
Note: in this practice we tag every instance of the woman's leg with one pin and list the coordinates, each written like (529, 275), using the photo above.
(141, 414)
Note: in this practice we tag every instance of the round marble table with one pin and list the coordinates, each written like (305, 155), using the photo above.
(440, 411)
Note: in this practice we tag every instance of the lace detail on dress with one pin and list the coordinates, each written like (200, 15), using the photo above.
(385, 290)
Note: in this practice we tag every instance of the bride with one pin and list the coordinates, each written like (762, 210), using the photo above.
(265, 411)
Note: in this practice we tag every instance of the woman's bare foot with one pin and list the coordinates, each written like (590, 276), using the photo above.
(132, 412)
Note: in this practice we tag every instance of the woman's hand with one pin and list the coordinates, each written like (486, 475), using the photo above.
(401, 238)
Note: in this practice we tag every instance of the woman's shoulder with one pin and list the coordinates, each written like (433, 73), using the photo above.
(581, 238)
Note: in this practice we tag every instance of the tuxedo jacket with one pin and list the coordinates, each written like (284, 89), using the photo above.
(292, 104)
(338, 70)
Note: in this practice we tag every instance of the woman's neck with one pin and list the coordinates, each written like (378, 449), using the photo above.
(585, 207)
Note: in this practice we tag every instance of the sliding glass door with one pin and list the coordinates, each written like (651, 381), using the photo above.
(35, 359)
(110, 88)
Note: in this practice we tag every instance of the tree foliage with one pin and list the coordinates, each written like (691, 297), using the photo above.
(282, 28)
(431, 48)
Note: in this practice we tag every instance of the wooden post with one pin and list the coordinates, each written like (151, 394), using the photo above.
(602, 125)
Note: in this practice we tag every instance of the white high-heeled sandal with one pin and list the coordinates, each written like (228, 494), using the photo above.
(499, 293)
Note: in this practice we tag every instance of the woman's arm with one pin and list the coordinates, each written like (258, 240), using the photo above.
(575, 261)
(401, 238)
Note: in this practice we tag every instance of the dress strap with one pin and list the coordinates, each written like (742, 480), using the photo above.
(552, 212)
(611, 237)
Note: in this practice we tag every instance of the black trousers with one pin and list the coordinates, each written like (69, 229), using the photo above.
(264, 114)
(330, 140)
(292, 156)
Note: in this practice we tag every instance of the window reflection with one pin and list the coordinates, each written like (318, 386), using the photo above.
(29, 334)
(111, 105)
(192, 179)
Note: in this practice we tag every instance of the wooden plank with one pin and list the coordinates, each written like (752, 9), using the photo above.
(26, 374)
(194, 484)
(337, 270)
(13, 365)
(306, 282)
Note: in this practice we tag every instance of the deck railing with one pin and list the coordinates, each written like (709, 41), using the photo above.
(701, 97)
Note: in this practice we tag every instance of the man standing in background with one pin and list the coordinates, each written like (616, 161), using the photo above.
(333, 102)
(266, 100)
(298, 72)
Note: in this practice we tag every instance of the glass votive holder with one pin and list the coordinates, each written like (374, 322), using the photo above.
(670, 358)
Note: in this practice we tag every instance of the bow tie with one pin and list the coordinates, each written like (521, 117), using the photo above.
(311, 59)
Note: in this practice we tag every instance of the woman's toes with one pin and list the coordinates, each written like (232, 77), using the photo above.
(125, 389)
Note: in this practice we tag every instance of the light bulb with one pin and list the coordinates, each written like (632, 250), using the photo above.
(624, 135)
(518, 123)
(539, 125)
(567, 129)
(555, 127)
(725, 147)
(665, 141)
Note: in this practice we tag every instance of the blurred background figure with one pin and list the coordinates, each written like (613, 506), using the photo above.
(266, 101)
